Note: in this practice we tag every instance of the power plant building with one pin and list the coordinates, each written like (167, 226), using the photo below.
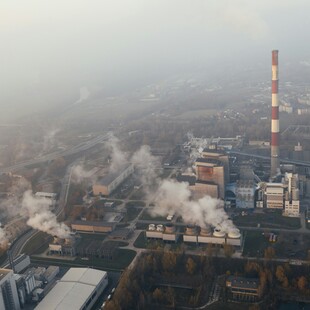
(8, 291)
(79, 289)
(211, 171)
(111, 181)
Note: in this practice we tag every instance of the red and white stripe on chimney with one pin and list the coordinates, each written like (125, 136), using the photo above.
(275, 114)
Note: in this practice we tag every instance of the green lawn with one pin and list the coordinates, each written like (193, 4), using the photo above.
(255, 243)
(267, 220)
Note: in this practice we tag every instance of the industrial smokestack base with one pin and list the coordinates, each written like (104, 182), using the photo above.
(275, 128)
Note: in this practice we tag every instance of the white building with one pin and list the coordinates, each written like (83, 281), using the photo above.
(292, 203)
(8, 291)
(274, 194)
(78, 289)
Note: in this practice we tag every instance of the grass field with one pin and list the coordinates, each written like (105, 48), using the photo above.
(255, 244)
(267, 220)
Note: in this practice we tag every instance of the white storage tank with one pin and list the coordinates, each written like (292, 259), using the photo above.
(218, 233)
(152, 227)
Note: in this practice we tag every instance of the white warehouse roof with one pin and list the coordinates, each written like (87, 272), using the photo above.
(73, 290)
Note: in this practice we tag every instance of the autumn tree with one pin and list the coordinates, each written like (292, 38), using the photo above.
(269, 253)
(169, 261)
(302, 283)
(281, 276)
(158, 295)
(190, 266)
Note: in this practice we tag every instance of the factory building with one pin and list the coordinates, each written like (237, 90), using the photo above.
(110, 182)
(63, 246)
(203, 188)
(78, 289)
(292, 203)
(274, 196)
(243, 289)
(245, 191)
(220, 156)
(20, 263)
(195, 234)
(93, 226)
(51, 197)
(8, 291)
(211, 171)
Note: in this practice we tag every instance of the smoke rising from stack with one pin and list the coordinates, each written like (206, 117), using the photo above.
(3, 239)
(118, 158)
(172, 197)
(40, 217)
(35, 209)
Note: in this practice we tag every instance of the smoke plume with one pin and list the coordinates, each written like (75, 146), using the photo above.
(3, 239)
(49, 139)
(118, 158)
(173, 197)
(40, 217)
(147, 165)
(197, 145)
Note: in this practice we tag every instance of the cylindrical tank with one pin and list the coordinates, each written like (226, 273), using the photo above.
(205, 231)
(169, 229)
(234, 233)
(152, 227)
(218, 233)
(160, 227)
(191, 230)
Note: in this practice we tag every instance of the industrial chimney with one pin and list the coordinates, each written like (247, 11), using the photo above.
(274, 116)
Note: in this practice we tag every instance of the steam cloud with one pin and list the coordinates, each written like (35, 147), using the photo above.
(3, 239)
(40, 217)
(118, 158)
(36, 209)
(175, 198)
(172, 197)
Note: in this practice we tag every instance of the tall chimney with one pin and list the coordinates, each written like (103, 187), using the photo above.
(274, 116)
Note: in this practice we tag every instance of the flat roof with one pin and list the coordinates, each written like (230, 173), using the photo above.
(241, 282)
(71, 292)
(4, 272)
(211, 161)
(109, 178)
(94, 223)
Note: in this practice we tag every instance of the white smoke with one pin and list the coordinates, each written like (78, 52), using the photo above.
(118, 158)
(173, 197)
(147, 165)
(197, 146)
(79, 174)
(84, 95)
(49, 139)
(3, 239)
(40, 217)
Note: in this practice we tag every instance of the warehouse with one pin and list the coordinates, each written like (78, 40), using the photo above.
(78, 289)
(93, 226)
(111, 181)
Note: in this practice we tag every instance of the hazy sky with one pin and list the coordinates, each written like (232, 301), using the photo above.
(50, 48)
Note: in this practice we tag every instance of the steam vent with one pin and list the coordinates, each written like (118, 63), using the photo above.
(195, 234)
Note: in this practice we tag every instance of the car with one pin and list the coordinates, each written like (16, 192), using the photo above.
(109, 297)
(113, 290)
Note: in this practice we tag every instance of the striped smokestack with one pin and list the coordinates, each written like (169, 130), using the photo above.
(274, 115)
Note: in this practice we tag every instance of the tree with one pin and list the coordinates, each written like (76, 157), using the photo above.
(158, 295)
(302, 283)
(281, 276)
(269, 253)
(169, 261)
(228, 250)
(190, 266)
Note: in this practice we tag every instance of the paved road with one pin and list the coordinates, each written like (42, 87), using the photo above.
(76, 149)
